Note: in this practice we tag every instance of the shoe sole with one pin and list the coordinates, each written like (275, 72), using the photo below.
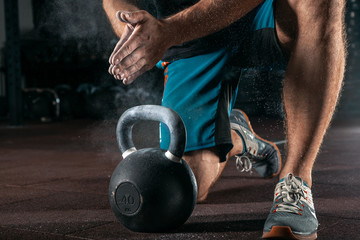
(269, 142)
(284, 232)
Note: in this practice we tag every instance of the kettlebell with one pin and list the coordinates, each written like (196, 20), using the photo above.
(151, 189)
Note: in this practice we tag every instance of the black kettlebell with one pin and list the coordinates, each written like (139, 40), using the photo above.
(152, 190)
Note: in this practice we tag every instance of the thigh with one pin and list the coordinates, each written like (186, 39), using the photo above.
(198, 90)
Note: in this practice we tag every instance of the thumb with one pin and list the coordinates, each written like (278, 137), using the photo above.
(131, 17)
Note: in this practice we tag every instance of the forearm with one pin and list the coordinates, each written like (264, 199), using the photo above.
(206, 17)
(111, 7)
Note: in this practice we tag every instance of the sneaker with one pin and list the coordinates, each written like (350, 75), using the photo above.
(260, 154)
(292, 215)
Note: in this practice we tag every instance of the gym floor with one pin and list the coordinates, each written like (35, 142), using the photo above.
(54, 182)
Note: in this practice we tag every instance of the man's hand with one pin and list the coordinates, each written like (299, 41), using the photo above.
(126, 33)
(142, 44)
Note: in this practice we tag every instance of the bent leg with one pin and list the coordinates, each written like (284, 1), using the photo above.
(312, 33)
(196, 88)
(206, 165)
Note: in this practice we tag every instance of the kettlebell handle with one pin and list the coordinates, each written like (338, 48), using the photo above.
(154, 113)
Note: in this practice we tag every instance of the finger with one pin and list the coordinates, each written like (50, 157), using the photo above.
(110, 69)
(115, 71)
(132, 77)
(134, 68)
(117, 47)
(127, 33)
(131, 59)
(118, 15)
(133, 17)
(133, 43)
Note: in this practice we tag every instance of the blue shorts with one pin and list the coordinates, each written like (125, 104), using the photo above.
(202, 89)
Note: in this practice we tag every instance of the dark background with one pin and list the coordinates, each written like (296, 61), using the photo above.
(54, 177)
(64, 46)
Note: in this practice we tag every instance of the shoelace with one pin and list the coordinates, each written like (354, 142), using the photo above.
(246, 161)
(291, 192)
(243, 163)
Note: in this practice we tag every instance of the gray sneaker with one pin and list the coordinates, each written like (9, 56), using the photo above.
(260, 154)
(292, 215)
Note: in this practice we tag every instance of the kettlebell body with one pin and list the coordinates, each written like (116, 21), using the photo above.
(152, 190)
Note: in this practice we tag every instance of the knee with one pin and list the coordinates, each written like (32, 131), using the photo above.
(316, 9)
(318, 23)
